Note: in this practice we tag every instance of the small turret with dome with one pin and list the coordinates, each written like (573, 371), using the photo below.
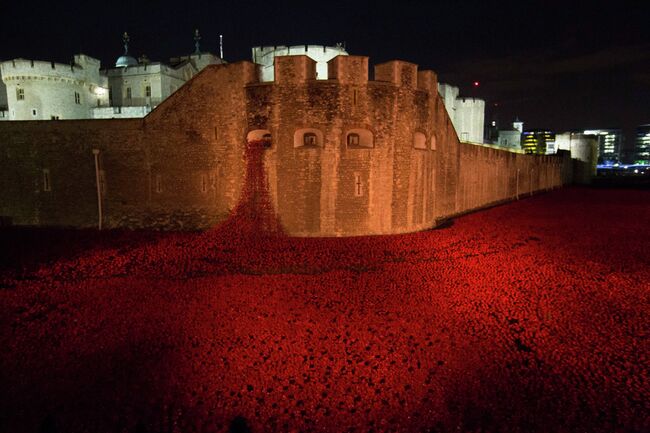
(125, 60)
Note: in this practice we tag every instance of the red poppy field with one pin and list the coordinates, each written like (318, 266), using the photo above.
(527, 317)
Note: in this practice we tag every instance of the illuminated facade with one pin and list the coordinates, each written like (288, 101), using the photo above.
(511, 138)
(642, 145)
(345, 156)
(609, 144)
(467, 114)
(43, 90)
(538, 142)
(38, 90)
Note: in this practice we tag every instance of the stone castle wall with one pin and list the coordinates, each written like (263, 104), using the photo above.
(347, 156)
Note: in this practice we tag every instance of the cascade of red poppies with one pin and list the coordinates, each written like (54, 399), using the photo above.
(254, 215)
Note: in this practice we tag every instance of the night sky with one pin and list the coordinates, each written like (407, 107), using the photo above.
(555, 64)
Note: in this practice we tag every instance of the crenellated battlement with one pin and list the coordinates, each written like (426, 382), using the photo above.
(84, 68)
(343, 156)
(351, 70)
(398, 72)
(348, 69)
(294, 69)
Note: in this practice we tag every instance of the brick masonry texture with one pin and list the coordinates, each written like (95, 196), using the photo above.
(183, 166)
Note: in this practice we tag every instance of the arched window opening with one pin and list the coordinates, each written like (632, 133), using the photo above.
(359, 139)
(353, 140)
(263, 135)
(419, 141)
(309, 139)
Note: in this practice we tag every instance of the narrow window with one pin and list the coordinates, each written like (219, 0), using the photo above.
(147, 91)
(20, 94)
(353, 139)
(266, 138)
(77, 98)
(47, 186)
(204, 183)
(433, 142)
(34, 112)
(358, 186)
(309, 139)
(419, 141)
(158, 183)
(128, 93)
(354, 102)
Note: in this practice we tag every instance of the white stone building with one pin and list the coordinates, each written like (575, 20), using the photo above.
(467, 114)
(38, 90)
(4, 113)
(138, 87)
(265, 56)
(511, 138)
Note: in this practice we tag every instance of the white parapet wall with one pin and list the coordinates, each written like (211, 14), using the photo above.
(265, 56)
(120, 112)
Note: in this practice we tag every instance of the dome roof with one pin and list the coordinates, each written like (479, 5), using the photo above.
(124, 61)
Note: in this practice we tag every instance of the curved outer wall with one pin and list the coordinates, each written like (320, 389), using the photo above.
(183, 165)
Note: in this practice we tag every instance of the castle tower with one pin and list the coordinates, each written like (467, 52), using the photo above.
(38, 90)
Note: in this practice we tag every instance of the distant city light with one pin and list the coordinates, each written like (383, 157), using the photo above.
(476, 83)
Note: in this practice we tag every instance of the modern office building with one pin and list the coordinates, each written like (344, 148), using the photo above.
(642, 145)
(538, 141)
(610, 142)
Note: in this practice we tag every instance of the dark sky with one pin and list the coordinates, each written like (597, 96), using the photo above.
(555, 64)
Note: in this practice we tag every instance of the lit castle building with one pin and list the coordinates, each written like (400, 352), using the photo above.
(511, 138)
(345, 156)
(467, 114)
(39, 90)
